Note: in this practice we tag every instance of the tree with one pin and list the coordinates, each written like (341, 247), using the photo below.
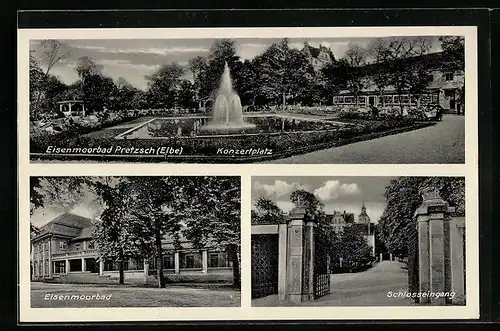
(283, 72)
(163, 85)
(398, 228)
(454, 59)
(197, 65)
(221, 51)
(407, 74)
(112, 234)
(267, 212)
(380, 74)
(335, 76)
(353, 248)
(186, 94)
(419, 72)
(354, 60)
(212, 216)
(155, 210)
(47, 54)
(97, 90)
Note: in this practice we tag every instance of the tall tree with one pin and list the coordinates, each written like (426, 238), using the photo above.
(454, 60)
(355, 58)
(397, 224)
(283, 72)
(212, 216)
(221, 51)
(380, 74)
(50, 52)
(155, 209)
(163, 85)
(112, 234)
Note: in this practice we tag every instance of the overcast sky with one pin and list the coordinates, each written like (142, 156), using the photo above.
(337, 193)
(134, 59)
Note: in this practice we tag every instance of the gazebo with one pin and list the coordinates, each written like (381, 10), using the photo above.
(72, 107)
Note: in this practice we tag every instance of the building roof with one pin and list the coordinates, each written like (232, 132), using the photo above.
(315, 51)
(85, 233)
(67, 225)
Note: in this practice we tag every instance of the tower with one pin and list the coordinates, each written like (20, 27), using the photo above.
(363, 216)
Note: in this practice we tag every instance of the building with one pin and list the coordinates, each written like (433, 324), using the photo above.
(443, 88)
(65, 246)
(318, 57)
(71, 108)
(340, 220)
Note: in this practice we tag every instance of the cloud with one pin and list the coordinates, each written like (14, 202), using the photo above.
(285, 206)
(280, 188)
(148, 50)
(332, 189)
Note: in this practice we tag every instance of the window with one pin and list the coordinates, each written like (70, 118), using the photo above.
(35, 267)
(448, 76)
(430, 78)
(90, 245)
(63, 245)
(77, 246)
(46, 267)
(60, 267)
(168, 262)
(214, 260)
(349, 99)
(189, 261)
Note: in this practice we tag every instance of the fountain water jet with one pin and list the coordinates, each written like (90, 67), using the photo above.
(227, 114)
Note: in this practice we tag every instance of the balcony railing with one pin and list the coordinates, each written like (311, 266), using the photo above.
(76, 253)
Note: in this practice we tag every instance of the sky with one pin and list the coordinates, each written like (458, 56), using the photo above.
(87, 206)
(134, 59)
(337, 193)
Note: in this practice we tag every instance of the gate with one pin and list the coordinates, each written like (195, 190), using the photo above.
(321, 271)
(264, 265)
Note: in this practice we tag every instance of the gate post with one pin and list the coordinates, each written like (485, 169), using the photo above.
(457, 229)
(308, 279)
(295, 254)
(433, 246)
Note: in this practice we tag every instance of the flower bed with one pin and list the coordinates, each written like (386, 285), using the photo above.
(208, 148)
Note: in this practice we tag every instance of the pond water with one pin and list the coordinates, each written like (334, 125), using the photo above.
(190, 127)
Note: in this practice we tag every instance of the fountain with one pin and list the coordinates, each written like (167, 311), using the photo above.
(227, 115)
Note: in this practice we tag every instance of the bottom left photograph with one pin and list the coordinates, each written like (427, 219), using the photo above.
(135, 241)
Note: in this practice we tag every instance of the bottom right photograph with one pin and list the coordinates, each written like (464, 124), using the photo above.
(358, 241)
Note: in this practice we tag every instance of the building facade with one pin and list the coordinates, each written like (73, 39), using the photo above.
(65, 246)
(340, 220)
(318, 57)
(444, 88)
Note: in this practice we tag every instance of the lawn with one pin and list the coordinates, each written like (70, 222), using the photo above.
(172, 296)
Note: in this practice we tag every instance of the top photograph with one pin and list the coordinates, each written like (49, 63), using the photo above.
(297, 99)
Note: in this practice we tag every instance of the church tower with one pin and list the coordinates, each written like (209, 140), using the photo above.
(363, 216)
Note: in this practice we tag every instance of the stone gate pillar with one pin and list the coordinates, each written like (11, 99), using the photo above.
(300, 257)
(433, 246)
(295, 254)
(457, 259)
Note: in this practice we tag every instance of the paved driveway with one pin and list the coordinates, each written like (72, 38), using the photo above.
(440, 143)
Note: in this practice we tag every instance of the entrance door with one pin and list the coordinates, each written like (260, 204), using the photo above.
(264, 265)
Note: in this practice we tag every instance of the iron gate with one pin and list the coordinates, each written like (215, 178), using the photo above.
(321, 272)
(264, 265)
